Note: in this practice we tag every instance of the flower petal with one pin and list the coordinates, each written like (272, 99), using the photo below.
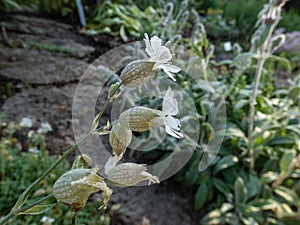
(173, 133)
(155, 43)
(170, 104)
(111, 163)
(172, 123)
(159, 65)
(164, 54)
(172, 68)
(149, 49)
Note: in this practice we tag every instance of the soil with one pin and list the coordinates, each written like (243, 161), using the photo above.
(41, 62)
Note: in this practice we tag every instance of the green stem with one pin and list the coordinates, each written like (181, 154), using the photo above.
(23, 209)
(263, 55)
(284, 174)
(252, 111)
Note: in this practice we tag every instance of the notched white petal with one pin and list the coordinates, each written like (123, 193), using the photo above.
(169, 112)
(161, 55)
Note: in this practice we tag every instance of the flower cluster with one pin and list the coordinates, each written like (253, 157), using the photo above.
(75, 186)
(139, 119)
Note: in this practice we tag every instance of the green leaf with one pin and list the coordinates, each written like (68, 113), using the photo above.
(191, 176)
(269, 177)
(223, 188)
(240, 191)
(213, 217)
(286, 159)
(123, 33)
(294, 93)
(242, 60)
(288, 195)
(241, 104)
(200, 197)
(37, 209)
(226, 162)
(232, 218)
(249, 221)
(253, 186)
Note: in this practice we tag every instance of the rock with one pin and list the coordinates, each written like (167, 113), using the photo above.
(62, 45)
(39, 67)
(36, 26)
(292, 43)
(48, 35)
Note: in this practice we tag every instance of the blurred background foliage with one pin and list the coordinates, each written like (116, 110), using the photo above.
(225, 193)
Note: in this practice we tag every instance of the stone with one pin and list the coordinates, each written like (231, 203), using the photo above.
(39, 67)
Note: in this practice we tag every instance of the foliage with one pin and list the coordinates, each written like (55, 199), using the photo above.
(243, 18)
(16, 175)
(57, 7)
(228, 191)
(9, 5)
(116, 19)
(290, 21)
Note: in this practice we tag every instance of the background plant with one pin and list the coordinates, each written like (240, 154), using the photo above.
(16, 175)
(226, 191)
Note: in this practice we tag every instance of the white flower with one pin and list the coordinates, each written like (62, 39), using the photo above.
(169, 111)
(26, 122)
(161, 55)
(44, 128)
(168, 114)
(47, 220)
(30, 134)
(227, 46)
(33, 150)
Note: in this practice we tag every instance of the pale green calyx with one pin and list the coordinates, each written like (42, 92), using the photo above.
(75, 186)
(139, 118)
(119, 138)
(130, 174)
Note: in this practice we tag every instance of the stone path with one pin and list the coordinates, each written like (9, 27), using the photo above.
(46, 59)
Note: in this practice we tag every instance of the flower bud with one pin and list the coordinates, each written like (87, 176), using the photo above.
(119, 138)
(139, 118)
(129, 174)
(75, 186)
(137, 73)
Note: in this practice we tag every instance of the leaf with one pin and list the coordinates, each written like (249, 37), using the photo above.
(226, 162)
(288, 195)
(249, 221)
(269, 177)
(286, 159)
(201, 196)
(294, 93)
(241, 103)
(253, 186)
(235, 132)
(232, 218)
(223, 188)
(242, 60)
(37, 209)
(123, 33)
(191, 176)
(213, 217)
(240, 191)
